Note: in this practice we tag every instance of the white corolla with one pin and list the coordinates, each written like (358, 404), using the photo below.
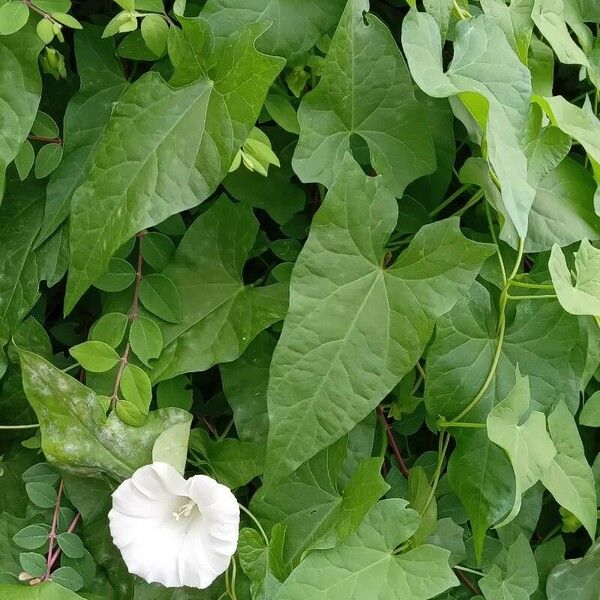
(174, 531)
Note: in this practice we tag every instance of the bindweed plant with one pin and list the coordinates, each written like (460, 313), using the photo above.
(299, 300)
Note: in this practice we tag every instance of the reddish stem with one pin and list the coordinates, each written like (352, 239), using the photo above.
(71, 528)
(392, 442)
(467, 582)
(52, 534)
(46, 140)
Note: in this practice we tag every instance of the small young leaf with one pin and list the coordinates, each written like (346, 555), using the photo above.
(136, 388)
(157, 250)
(33, 563)
(85, 566)
(171, 446)
(146, 339)
(67, 20)
(96, 357)
(155, 32)
(32, 537)
(71, 544)
(13, 16)
(110, 329)
(68, 577)
(130, 414)
(160, 296)
(42, 472)
(41, 494)
(44, 125)
(24, 160)
(47, 159)
(119, 277)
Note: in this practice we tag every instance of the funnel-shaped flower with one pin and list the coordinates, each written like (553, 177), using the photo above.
(174, 531)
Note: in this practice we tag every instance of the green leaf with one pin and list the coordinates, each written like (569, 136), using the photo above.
(232, 462)
(101, 84)
(347, 104)
(324, 380)
(582, 297)
(175, 392)
(68, 577)
(32, 537)
(581, 579)
(44, 125)
(157, 250)
(245, 382)
(522, 435)
(256, 561)
(45, 30)
(294, 26)
(161, 297)
(569, 477)
(110, 329)
(494, 85)
(96, 357)
(94, 444)
(13, 16)
(67, 20)
(47, 159)
(136, 388)
(212, 115)
(155, 31)
(220, 314)
(71, 544)
(20, 87)
(41, 472)
(518, 581)
(146, 339)
(41, 494)
(365, 564)
(590, 414)
(24, 159)
(120, 276)
(171, 446)
(32, 563)
(44, 591)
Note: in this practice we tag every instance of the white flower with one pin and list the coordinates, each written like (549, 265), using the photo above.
(174, 531)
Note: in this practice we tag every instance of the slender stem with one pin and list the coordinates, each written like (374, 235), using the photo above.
(71, 367)
(532, 297)
(460, 424)
(495, 239)
(533, 286)
(45, 140)
(133, 314)
(449, 200)
(443, 442)
(32, 426)
(421, 370)
(467, 582)
(256, 522)
(52, 534)
(392, 442)
(515, 270)
(71, 529)
(472, 202)
(39, 11)
(467, 570)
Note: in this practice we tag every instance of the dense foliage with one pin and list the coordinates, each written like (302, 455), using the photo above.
(337, 255)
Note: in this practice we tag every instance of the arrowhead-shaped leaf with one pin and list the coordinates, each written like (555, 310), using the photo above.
(179, 144)
(348, 339)
(365, 91)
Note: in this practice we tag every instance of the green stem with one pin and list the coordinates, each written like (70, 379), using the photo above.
(449, 200)
(472, 202)
(538, 297)
(533, 286)
(256, 522)
(460, 424)
(443, 442)
(495, 239)
(32, 426)
(467, 570)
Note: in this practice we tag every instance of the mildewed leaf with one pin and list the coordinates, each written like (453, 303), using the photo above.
(569, 477)
(366, 92)
(211, 117)
(220, 314)
(324, 377)
(76, 435)
(295, 27)
(20, 90)
(365, 566)
(101, 84)
(583, 296)
(484, 65)
(523, 436)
